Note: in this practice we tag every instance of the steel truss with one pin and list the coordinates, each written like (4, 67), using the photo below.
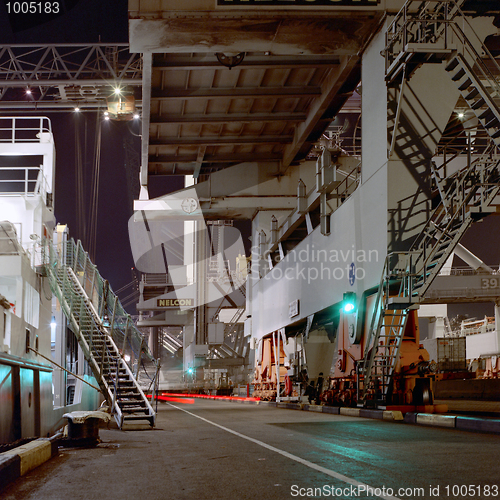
(65, 76)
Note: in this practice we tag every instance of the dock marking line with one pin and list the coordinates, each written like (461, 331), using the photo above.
(302, 461)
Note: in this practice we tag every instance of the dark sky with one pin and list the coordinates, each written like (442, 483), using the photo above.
(87, 21)
(79, 21)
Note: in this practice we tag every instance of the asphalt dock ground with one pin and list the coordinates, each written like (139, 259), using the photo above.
(224, 450)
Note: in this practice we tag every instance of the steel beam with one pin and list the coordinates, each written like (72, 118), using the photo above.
(79, 81)
(221, 158)
(225, 118)
(183, 62)
(235, 93)
(220, 141)
(330, 87)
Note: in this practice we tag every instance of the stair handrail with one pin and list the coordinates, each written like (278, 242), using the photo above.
(119, 359)
(419, 249)
(80, 261)
(389, 275)
(479, 59)
(88, 307)
(428, 236)
(398, 31)
(68, 309)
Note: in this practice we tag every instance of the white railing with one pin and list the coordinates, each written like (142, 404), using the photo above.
(23, 181)
(24, 129)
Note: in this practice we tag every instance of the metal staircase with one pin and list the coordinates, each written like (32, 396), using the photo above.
(428, 32)
(85, 299)
(408, 275)
(434, 31)
(477, 94)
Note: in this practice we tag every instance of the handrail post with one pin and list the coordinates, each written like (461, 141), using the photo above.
(114, 316)
(91, 297)
(126, 334)
(115, 392)
(136, 374)
(75, 256)
(102, 357)
(84, 273)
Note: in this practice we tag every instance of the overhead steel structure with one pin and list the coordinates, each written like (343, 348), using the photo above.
(239, 94)
(64, 76)
(262, 85)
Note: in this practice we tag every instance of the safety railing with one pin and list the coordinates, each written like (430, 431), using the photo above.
(23, 181)
(24, 129)
(123, 330)
(436, 25)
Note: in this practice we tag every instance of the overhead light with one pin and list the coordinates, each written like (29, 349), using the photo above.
(106, 118)
(118, 91)
(106, 113)
(28, 91)
(461, 114)
(126, 358)
(230, 60)
(77, 109)
(136, 116)
(53, 323)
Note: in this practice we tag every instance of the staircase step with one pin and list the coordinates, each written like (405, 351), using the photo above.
(137, 417)
(478, 104)
(473, 93)
(458, 75)
(127, 390)
(132, 402)
(493, 123)
(465, 85)
(129, 395)
(486, 115)
(452, 64)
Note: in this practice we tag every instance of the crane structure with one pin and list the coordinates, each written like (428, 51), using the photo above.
(345, 242)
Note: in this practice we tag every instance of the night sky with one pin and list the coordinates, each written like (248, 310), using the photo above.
(90, 21)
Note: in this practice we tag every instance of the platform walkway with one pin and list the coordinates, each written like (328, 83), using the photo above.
(223, 450)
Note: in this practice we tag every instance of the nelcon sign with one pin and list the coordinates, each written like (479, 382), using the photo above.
(309, 3)
(174, 303)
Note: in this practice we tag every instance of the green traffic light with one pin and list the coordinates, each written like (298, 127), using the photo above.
(348, 307)
(349, 302)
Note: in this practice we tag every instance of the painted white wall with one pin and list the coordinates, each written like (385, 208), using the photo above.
(481, 344)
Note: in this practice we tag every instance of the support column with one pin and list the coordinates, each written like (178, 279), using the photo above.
(153, 342)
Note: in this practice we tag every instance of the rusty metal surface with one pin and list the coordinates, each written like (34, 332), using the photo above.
(298, 70)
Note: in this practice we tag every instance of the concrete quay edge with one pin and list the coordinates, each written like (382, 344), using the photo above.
(19, 461)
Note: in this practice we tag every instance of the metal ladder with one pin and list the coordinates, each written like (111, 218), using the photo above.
(97, 340)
